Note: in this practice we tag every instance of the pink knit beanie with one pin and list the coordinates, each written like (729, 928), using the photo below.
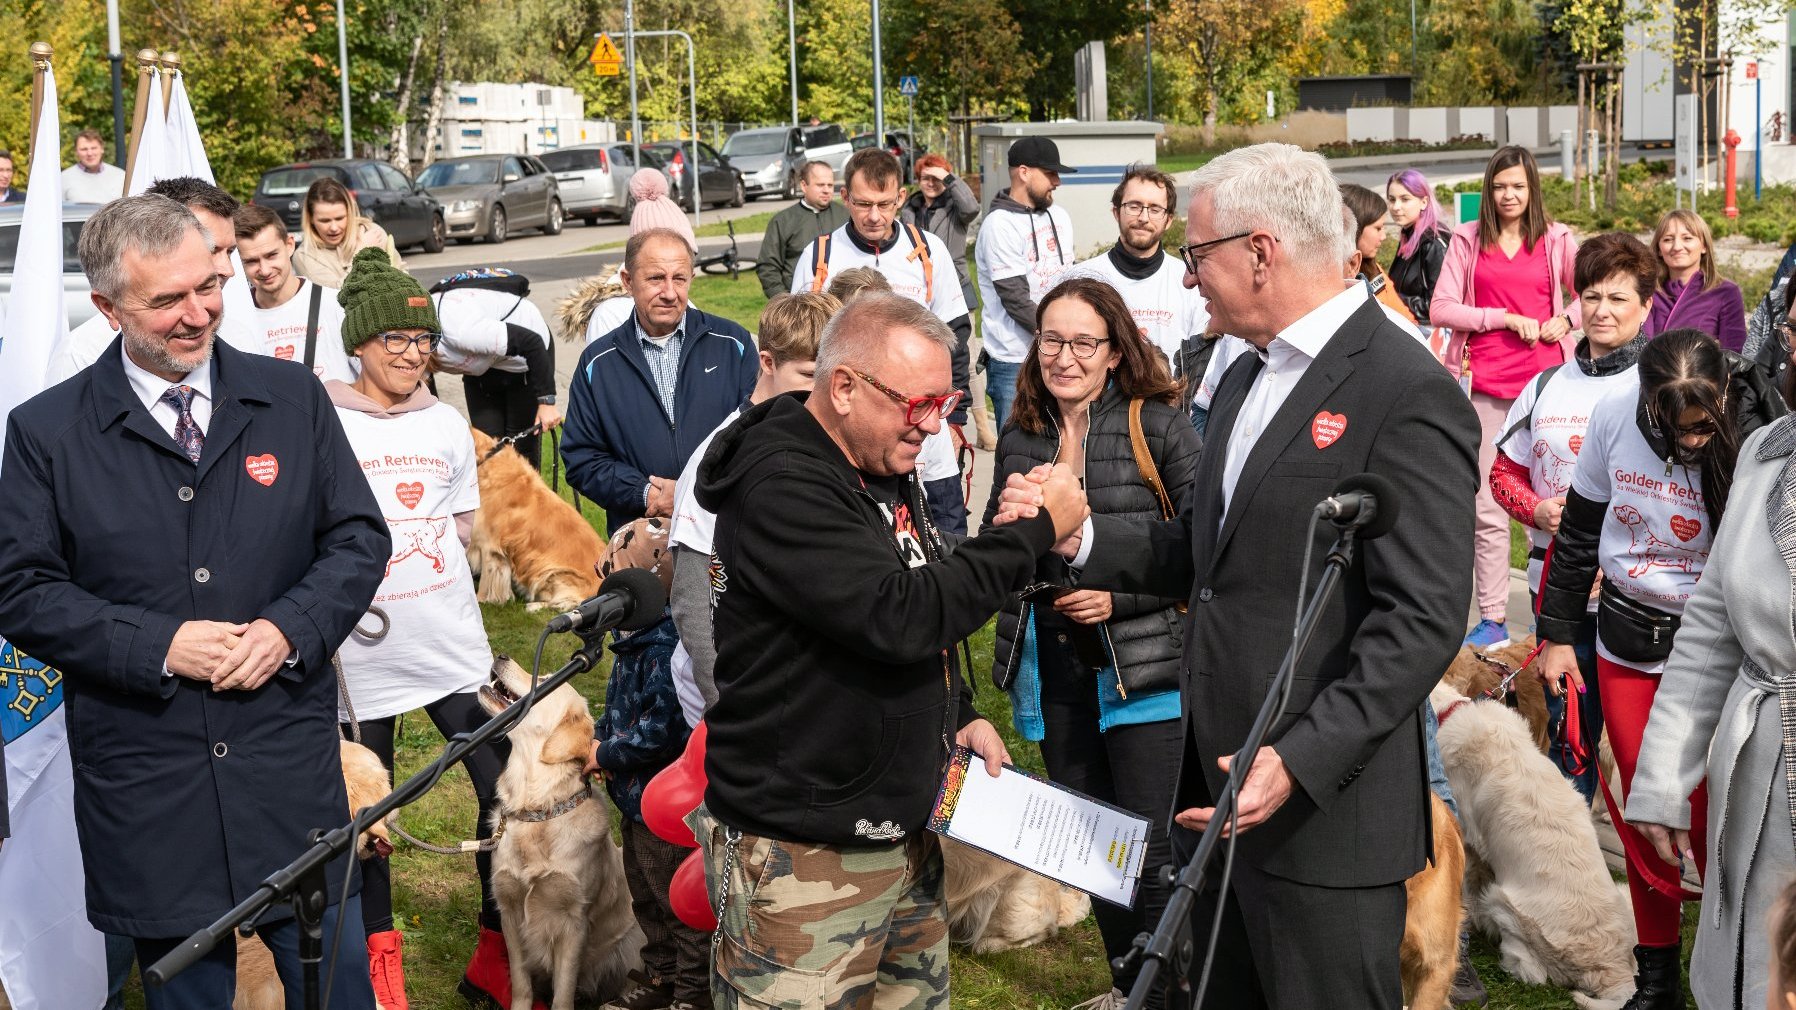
(654, 209)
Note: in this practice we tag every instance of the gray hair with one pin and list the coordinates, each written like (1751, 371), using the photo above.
(633, 248)
(1283, 189)
(856, 335)
(150, 225)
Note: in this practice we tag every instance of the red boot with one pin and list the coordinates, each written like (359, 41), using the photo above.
(489, 972)
(386, 969)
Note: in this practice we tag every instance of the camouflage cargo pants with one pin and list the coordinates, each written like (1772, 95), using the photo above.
(841, 927)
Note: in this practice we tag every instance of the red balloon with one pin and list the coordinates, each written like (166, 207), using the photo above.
(687, 896)
(673, 793)
(694, 754)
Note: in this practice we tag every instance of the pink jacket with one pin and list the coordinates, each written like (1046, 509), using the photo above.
(1451, 305)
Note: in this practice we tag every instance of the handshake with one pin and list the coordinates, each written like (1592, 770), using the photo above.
(1054, 488)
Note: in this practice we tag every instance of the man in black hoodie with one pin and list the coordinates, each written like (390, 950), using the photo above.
(837, 608)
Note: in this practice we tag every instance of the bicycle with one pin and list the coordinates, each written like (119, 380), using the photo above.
(729, 261)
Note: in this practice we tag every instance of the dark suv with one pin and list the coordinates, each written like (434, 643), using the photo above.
(412, 216)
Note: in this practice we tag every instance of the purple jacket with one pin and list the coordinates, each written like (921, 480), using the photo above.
(1720, 311)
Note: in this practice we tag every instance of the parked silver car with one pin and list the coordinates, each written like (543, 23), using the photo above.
(489, 196)
(75, 290)
(594, 180)
(770, 158)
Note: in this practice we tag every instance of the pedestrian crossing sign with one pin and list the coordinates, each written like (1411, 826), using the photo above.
(605, 59)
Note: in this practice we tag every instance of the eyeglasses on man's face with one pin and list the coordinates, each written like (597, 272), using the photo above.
(1135, 208)
(917, 409)
(1191, 253)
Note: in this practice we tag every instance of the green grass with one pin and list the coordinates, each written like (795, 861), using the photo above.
(739, 299)
(748, 224)
(1175, 163)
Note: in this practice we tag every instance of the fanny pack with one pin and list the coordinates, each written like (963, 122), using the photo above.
(1633, 631)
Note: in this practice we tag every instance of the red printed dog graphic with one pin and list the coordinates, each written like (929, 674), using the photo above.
(1650, 552)
(1555, 469)
(423, 537)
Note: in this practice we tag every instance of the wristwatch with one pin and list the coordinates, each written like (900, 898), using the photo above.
(547, 401)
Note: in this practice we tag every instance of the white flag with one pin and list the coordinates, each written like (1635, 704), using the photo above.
(184, 135)
(50, 957)
(155, 159)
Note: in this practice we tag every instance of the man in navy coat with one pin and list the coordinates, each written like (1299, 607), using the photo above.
(185, 534)
(647, 393)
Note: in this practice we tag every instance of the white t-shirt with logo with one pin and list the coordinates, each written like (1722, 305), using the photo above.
(1656, 530)
(1165, 310)
(1550, 421)
(282, 330)
(421, 467)
(936, 288)
(1038, 246)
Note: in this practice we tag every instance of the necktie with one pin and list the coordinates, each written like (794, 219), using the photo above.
(187, 433)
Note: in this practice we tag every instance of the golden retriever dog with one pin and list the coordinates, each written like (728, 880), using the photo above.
(1472, 677)
(526, 536)
(258, 986)
(560, 881)
(1430, 948)
(1535, 878)
(995, 905)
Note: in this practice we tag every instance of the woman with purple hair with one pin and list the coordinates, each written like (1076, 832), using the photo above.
(1422, 245)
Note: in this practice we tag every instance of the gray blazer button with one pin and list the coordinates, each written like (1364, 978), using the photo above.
(185, 494)
(201, 575)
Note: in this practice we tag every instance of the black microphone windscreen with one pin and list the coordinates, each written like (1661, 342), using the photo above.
(1379, 488)
(645, 589)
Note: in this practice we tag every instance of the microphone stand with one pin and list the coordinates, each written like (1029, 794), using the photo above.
(303, 882)
(1170, 945)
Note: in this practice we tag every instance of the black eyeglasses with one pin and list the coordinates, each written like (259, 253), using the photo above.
(396, 343)
(1050, 345)
(1189, 252)
(1135, 208)
(917, 409)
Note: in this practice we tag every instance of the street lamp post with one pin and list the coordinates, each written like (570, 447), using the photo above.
(117, 59)
(1147, 36)
(792, 56)
(698, 193)
(879, 85)
(343, 78)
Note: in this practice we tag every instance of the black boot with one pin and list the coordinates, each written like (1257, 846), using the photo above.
(1468, 988)
(1658, 982)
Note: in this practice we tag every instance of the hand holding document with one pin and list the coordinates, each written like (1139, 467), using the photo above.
(1043, 827)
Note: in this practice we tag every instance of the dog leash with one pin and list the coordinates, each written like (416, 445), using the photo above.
(502, 443)
(386, 625)
(554, 457)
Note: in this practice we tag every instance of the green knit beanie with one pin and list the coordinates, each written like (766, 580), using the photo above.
(377, 299)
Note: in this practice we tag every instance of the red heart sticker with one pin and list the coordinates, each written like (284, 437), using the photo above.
(284, 352)
(1685, 528)
(263, 469)
(1328, 428)
(1576, 443)
(410, 494)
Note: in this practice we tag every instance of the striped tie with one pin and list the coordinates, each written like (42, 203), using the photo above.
(187, 433)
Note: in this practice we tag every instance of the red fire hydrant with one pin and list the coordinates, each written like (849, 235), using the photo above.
(1732, 140)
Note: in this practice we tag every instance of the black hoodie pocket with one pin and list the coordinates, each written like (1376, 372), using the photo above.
(890, 732)
(890, 785)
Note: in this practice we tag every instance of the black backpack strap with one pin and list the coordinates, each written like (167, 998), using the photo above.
(1540, 383)
(312, 324)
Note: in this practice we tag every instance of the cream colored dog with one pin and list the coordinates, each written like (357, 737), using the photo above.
(559, 881)
(994, 905)
(1535, 878)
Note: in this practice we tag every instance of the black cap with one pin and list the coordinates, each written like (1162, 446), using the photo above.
(1037, 152)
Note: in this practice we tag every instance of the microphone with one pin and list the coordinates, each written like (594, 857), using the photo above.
(631, 599)
(1365, 503)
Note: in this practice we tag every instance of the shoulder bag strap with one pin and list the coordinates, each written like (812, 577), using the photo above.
(1144, 460)
(312, 324)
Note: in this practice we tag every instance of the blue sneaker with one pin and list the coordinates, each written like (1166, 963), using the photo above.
(1488, 635)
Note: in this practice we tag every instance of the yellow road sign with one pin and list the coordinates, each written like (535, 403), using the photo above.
(605, 59)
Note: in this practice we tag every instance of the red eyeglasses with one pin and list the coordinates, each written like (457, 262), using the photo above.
(917, 409)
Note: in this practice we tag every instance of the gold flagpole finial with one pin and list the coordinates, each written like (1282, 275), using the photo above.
(41, 52)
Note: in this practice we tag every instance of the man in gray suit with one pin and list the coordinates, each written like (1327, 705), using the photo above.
(1334, 812)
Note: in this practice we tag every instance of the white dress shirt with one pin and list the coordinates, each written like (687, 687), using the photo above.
(1287, 357)
(149, 388)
